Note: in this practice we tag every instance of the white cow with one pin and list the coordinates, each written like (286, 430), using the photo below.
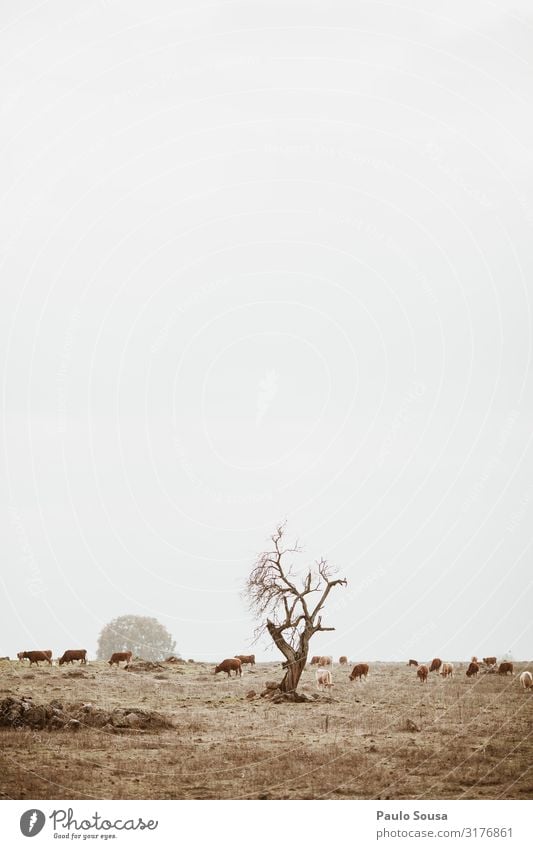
(324, 680)
(447, 670)
(526, 680)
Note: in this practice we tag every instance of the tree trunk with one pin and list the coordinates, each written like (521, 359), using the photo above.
(295, 658)
(295, 668)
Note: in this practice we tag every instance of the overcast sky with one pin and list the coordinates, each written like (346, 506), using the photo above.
(265, 261)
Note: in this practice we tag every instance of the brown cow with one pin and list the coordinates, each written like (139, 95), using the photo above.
(360, 671)
(505, 667)
(118, 656)
(24, 654)
(343, 660)
(246, 658)
(422, 673)
(228, 665)
(36, 656)
(447, 670)
(325, 660)
(315, 660)
(472, 670)
(436, 664)
(490, 661)
(70, 655)
(413, 663)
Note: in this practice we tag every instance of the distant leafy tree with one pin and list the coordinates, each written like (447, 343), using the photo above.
(144, 636)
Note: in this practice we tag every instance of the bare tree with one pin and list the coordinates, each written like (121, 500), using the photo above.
(285, 602)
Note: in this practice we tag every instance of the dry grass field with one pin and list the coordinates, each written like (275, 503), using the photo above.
(388, 738)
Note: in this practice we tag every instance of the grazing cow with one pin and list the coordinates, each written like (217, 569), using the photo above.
(315, 660)
(413, 663)
(325, 660)
(24, 654)
(36, 656)
(472, 670)
(228, 665)
(360, 671)
(526, 680)
(70, 655)
(447, 670)
(505, 667)
(422, 673)
(119, 656)
(343, 660)
(324, 680)
(436, 664)
(490, 661)
(246, 658)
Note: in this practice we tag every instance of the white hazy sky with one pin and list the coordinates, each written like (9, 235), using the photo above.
(267, 260)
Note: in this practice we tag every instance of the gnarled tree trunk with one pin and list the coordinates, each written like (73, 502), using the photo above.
(293, 674)
(295, 658)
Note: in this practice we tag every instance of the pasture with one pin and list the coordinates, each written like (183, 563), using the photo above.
(387, 738)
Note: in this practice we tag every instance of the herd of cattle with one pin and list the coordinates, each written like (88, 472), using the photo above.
(69, 656)
(324, 663)
(488, 664)
(324, 679)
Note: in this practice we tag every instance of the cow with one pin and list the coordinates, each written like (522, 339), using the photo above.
(21, 655)
(325, 660)
(526, 680)
(343, 660)
(436, 664)
(119, 656)
(36, 656)
(315, 660)
(246, 658)
(505, 667)
(472, 670)
(228, 665)
(323, 679)
(70, 655)
(447, 670)
(360, 671)
(413, 663)
(422, 673)
(490, 661)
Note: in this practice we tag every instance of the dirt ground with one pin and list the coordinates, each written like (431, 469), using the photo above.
(387, 738)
